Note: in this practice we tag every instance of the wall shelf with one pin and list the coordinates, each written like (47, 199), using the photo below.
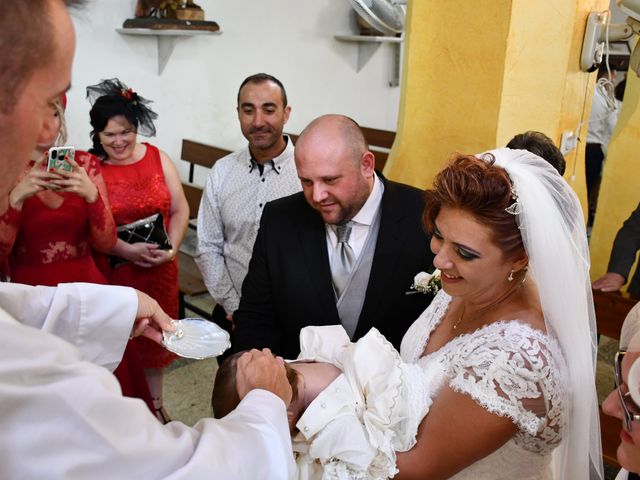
(367, 46)
(166, 40)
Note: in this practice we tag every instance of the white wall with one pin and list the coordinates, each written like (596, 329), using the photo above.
(195, 96)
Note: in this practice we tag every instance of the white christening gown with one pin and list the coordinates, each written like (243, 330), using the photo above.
(510, 369)
(353, 428)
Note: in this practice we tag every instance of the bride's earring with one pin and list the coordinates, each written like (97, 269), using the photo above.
(510, 277)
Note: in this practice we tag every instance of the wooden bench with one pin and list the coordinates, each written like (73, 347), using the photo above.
(611, 310)
(380, 143)
(190, 281)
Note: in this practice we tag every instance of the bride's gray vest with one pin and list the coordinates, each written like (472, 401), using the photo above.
(349, 305)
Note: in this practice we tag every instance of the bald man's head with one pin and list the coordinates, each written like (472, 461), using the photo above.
(335, 167)
(339, 130)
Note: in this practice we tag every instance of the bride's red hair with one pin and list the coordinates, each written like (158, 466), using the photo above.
(482, 189)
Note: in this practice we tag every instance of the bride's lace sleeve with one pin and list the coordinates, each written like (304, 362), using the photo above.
(101, 224)
(515, 371)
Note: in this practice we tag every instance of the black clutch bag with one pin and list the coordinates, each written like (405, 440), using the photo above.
(147, 230)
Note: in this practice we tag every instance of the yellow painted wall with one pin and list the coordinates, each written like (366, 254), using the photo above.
(620, 187)
(478, 73)
(447, 83)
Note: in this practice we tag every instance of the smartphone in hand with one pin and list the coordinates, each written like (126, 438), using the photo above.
(59, 156)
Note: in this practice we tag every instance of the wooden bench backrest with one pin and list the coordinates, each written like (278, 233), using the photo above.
(380, 142)
(193, 194)
(197, 153)
(611, 310)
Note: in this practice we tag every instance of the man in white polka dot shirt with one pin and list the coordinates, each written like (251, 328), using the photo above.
(237, 189)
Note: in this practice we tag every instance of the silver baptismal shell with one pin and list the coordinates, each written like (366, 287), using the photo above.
(196, 338)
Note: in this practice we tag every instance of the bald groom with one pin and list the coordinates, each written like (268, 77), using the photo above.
(343, 251)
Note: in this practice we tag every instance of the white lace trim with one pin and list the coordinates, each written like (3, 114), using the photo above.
(417, 335)
(508, 367)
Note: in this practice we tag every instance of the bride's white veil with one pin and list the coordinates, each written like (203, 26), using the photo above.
(551, 223)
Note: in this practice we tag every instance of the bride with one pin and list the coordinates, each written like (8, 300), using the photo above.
(506, 349)
(511, 333)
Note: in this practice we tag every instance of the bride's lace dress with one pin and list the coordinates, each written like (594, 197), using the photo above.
(510, 369)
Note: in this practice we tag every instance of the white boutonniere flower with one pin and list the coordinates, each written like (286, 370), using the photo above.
(425, 282)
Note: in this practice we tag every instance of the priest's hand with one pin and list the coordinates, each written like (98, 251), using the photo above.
(261, 369)
(150, 319)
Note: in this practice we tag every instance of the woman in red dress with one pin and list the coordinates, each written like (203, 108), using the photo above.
(141, 181)
(54, 222)
(55, 219)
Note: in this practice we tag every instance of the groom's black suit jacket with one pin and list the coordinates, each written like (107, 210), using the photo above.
(288, 285)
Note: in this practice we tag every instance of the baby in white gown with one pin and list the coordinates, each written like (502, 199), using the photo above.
(356, 404)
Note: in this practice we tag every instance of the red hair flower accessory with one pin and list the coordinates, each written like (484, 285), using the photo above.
(129, 95)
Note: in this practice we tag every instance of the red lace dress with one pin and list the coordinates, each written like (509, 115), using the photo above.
(136, 191)
(50, 240)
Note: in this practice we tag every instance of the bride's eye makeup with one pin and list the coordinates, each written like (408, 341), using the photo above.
(466, 254)
(463, 253)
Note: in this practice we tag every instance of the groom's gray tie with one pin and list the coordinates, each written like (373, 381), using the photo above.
(343, 258)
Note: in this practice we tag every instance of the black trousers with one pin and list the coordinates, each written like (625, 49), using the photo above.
(593, 165)
(594, 159)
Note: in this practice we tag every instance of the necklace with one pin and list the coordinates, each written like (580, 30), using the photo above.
(484, 310)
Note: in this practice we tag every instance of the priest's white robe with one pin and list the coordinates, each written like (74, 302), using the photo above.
(62, 414)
